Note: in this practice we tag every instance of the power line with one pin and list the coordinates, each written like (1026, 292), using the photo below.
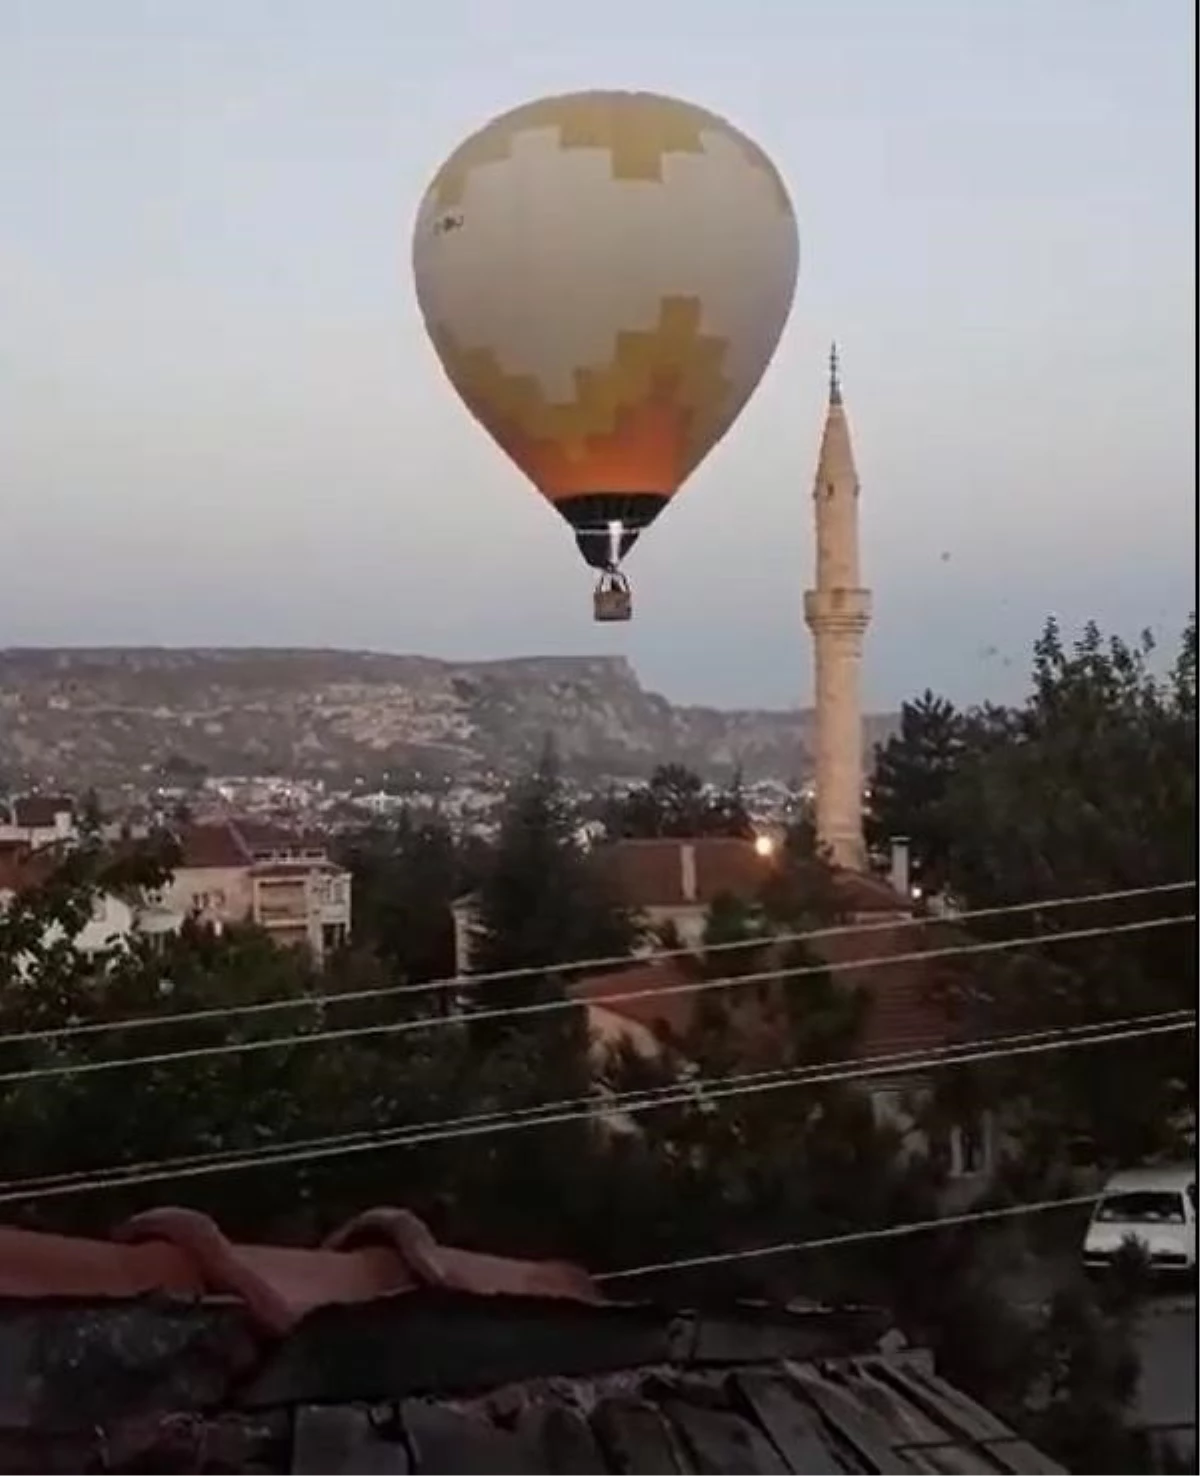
(689, 1085)
(681, 1089)
(850, 1237)
(116, 1179)
(540, 1007)
(469, 981)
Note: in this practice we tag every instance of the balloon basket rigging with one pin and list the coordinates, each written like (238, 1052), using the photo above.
(612, 598)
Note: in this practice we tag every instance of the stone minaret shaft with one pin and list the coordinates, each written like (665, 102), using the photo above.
(837, 612)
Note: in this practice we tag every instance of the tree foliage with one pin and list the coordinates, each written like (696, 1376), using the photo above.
(913, 773)
(675, 802)
(1088, 787)
(542, 899)
(407, 875)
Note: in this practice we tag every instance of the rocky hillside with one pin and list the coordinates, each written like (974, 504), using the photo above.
(97, 716)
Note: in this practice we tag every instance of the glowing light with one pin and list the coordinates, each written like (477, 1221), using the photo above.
(764, 845)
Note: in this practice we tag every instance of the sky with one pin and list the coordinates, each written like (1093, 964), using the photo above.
(221, 422)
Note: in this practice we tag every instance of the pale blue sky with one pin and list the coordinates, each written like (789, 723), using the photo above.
(220, 422)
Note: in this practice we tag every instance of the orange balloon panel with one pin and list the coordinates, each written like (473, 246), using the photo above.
(644, 451)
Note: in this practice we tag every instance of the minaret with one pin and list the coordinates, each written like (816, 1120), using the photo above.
(837, 612)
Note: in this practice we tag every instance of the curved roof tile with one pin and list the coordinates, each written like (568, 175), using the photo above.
(184, 1253)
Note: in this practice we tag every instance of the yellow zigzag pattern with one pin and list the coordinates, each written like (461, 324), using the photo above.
(637, 129)
(674, 347)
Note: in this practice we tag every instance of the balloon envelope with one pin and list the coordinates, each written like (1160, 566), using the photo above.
(605, 277)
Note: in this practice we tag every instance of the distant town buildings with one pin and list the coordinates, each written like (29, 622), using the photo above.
(228, 872)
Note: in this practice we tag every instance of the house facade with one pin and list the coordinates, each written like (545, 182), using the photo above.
(114, 920)
(231, 871)
(38, 820)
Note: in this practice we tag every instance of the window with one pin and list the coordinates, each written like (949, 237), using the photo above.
(1142, 1207)
(969, 1147)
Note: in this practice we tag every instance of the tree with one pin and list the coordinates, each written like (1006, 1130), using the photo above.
(913, 773)
(542, 899)
(406, 877)
(68, 1121)
(1090, 787)
(675, 802)
(178, 769)
(1109, 750)
(91, 815)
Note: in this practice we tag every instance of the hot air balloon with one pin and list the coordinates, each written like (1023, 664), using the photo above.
(605, 277)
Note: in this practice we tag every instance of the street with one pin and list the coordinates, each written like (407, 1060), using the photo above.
(1167, 1346)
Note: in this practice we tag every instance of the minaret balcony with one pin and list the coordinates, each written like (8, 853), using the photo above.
(838, 610)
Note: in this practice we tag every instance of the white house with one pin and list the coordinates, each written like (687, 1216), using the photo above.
(114, 919)
(38, 820)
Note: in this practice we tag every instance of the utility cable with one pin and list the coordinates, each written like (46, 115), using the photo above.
(851, 1237)
(686, 1088)
(321, 1002)
(550, 1006)
(110, 1179)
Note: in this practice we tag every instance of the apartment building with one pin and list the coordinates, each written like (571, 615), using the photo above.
(237, 871)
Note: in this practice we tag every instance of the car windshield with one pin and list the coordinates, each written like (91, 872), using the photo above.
(1145, 1207)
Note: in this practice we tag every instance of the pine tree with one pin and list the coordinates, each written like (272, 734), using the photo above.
(913, 773)
(675, 802)
(541, 900)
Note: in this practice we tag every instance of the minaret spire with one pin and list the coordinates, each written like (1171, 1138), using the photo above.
(837, 613)
(835, 376)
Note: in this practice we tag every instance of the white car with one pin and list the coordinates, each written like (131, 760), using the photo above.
(1156, 1207)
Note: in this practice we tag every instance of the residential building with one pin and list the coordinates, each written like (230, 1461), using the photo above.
(211, 881)
(911, 1005)
(672, 884)
(238, 871)
(37, 820)
(114, 918)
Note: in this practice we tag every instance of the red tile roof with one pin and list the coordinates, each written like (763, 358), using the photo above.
(907, 1009)
(655, 873)
(672, 1013)
(183, 1253)
(907, 1006)
(226, 844)
(215, 845)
